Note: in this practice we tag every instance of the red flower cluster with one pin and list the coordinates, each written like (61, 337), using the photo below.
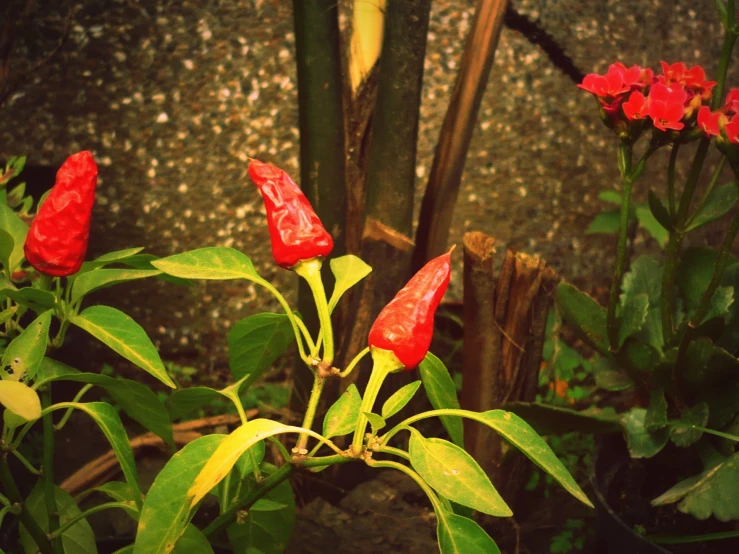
(629, 95)
(725, 118)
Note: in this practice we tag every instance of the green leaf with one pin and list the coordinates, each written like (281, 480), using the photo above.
(695, 415)
(118, 491)
(611, 196)
(38, 300)
(348, 271)
(585, 315)
(137, 400)
(11, 253)
(217, 263)
(266, 532)
(694, 273)
(605, 223)
(99, 278)
(460, 535)
(110, 424)
(633, 316)
(143, 261)
(656, 416)
(255, 342)
(708, 494)
(126, 337)
(644, 277)
(546, 419)
(5, 315)
(377, 422)
(193, 541)
(117, 256)
(183, 401)
(640, 442)
(520, 434)
(442, 394)
(721, 300)
(229, 451)
(230, 491)
(609, 376)
(399, 399)
(51, 370)
(166, 510)
(719, 202)
(23, 355)
(455, 475)
(341, 417)
(78, 539)
(659, 211)
(20, 399)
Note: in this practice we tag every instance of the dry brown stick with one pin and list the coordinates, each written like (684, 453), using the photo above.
(482, 338)
(103, 467)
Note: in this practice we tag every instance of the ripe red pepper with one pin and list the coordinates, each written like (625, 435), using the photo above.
(294, 228)
(405, 326)
(57, 240)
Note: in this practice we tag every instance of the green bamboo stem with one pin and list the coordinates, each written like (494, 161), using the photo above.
(10, 488)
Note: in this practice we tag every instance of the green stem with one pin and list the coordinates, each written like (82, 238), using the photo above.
(283, 451)
(9, 486)
(727, 436)
(394, 451)
(4, 500)
(299, 337)
(59, 426)
(233, 396)
(709, 189)
(354, 362)
(323, 461)
(25, 462)
(82, 515)
(413, 475)
(310, 270)
(676, 237)
(625, 159)
(723, 66)
(310, 411)
(48, 468)
(385, 363)
(671, 178)
(263, 488)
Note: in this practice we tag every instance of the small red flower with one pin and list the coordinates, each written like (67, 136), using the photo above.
(731, 106)
(667, 106)
(693, 79)
(732, 130)
(709, 121)
(636, 107)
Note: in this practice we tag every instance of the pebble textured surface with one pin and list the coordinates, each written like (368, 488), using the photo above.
(172, 97)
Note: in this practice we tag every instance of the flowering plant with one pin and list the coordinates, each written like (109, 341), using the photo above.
(671, 329)
(44, 284)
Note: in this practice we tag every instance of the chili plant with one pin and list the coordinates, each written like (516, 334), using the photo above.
(43, 285)
(671, 327)
(255, 502)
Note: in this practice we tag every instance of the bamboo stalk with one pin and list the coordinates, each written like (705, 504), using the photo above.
(440, 197)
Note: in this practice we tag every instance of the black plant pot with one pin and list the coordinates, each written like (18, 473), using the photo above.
(614, 535)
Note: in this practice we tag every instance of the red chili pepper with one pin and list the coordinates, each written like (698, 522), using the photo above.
(294, 228)
(405, 326)
(57, 240)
